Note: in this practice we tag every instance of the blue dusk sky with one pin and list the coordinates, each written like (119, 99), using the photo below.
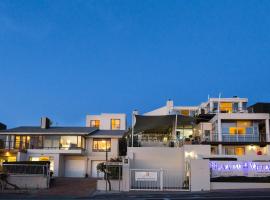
(65, 59)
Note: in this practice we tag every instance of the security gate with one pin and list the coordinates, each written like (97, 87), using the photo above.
(156, 180)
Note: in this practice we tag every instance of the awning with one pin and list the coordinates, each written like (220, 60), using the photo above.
(161, 123)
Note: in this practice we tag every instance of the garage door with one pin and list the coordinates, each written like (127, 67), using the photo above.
(74, 167)
(95, 172)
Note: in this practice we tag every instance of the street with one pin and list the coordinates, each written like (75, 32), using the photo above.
(225, 194)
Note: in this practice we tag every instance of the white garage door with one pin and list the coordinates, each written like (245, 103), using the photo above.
(95, 172)
(74, 167)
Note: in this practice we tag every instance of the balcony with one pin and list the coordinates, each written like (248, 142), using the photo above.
(239, 138)
(53, 146)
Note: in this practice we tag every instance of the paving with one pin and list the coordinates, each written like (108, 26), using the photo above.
(61, 188)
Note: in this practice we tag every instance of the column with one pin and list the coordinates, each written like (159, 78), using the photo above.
(267, 130)
(219, 136)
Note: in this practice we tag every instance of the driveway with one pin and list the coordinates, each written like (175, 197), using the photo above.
(70, 187)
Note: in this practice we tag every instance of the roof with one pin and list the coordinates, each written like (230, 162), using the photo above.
(160, 122)
(108, 133)
(51, 130)
(88, 131)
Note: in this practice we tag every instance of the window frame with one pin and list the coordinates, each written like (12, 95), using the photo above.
(101, 150)
(114, 119)
(95, 121)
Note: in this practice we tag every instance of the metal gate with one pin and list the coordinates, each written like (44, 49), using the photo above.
(156, 180)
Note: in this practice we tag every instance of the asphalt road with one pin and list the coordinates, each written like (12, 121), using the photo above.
(225, 194)
(228, 194)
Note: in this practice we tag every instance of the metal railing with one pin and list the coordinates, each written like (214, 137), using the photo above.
(237, 138)
(18, 168)
(156, 180)
(229, 110)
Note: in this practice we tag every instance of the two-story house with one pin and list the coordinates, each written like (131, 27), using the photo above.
(72, 151)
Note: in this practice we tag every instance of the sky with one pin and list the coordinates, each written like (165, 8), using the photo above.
(66, 59)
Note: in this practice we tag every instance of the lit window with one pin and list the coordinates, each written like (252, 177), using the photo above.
(95, 123)
(101, 144)
(239, 151)
(226, 107)
(185, 112)
(115, 124)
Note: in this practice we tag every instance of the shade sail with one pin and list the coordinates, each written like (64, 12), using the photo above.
(162, 122)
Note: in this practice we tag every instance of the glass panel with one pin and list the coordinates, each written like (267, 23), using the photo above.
(51, 141)
(226, 107)
(68, 142)
(185, 112)
(229, 150)
(239, 151)
(101, 144)
(115, 124)
(244, 105)
(95, 123)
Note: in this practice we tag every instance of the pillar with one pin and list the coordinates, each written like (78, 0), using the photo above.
(267, 130)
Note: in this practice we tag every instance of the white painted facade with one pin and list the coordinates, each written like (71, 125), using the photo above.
(74, 162)
(105, 120)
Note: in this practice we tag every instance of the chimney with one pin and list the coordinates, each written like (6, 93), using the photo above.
(169, 103)
(45, 122)
(3, 126)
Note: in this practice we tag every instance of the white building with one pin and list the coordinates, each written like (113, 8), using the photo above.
(72, 151)
(216, 145)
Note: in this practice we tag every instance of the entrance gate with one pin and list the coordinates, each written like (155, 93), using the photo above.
(156, 180)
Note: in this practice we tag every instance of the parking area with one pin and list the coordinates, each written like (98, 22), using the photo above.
(72, 187)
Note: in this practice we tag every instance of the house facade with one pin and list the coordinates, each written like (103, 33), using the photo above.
(72, 151)
(224, 123)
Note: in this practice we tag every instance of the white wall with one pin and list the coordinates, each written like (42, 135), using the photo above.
(99, 156)
(105, 120)
(200, 175)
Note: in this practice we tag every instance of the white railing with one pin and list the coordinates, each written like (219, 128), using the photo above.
(156, 180)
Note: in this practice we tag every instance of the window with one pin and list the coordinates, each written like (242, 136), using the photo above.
(185, 112)
(244, 105)
(100, 145)
(69, 142)
(95, 123)
(115, 124)
(215, 106)
(239, 151)
(235, 107)
(226, 107)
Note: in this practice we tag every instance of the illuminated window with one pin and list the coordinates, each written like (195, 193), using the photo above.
(115, 124)
(95, 123)
(233, 130)
(239, 151)
(184, 112)
(226, 107)
(101, 144)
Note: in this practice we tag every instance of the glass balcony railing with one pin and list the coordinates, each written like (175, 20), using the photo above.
(12, 145)
(238, 138)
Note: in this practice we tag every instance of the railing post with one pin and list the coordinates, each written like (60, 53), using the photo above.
(161, 179)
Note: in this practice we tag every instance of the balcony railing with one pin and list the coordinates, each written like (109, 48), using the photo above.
(238, 138)
(12, 145)
(229, 110)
